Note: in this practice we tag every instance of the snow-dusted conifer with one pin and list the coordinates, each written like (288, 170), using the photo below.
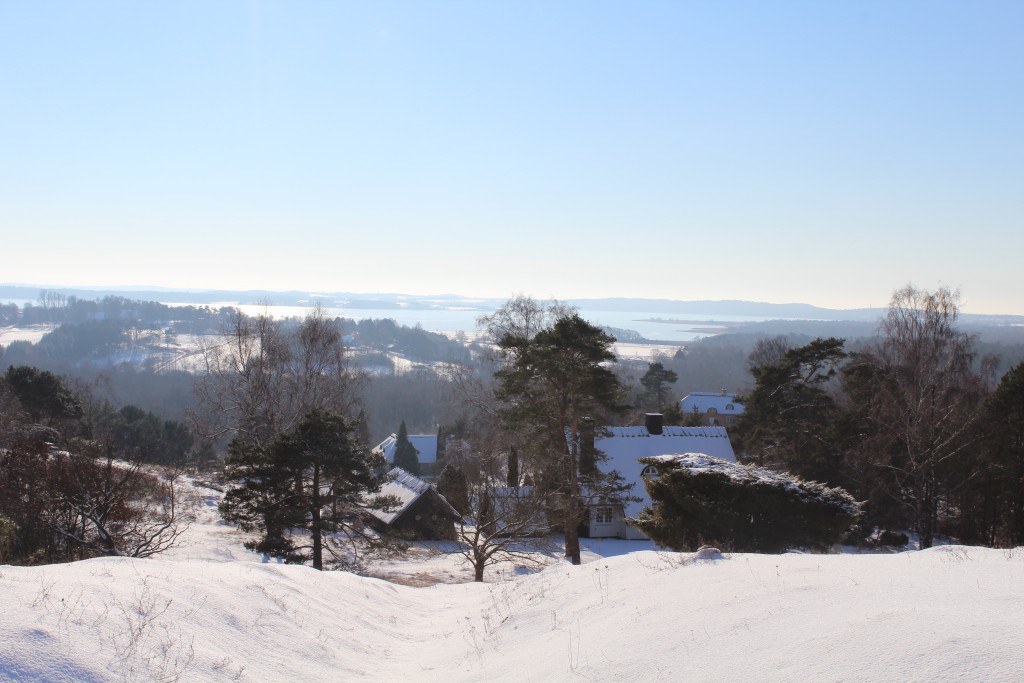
(701, 500)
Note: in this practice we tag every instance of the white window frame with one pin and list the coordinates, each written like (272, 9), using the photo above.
(604, 515)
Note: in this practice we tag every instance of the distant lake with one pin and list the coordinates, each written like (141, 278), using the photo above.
(674, 326)
(686, 327)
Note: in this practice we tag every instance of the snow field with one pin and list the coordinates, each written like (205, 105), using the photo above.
(949, 613)
(212, 611)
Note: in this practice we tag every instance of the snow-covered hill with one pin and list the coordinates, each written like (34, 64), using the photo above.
(212, 611)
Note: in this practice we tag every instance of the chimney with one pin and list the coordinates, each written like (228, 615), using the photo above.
(653, 421)
(724, 393)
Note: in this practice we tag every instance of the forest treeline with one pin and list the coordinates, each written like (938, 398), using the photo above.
(80, 477)
(119, 347)
(114, 344)
(835, 410)
(917, 423)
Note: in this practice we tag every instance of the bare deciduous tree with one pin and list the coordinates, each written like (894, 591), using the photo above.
(115, 507)
(261, 378)
(506, 524)
(768, 351)
(499, 523)
(926, 401)
(523, 316)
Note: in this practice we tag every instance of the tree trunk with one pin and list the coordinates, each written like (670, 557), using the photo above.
(572, 539)
(317, 522)
(1017, 495)
(573, 504)
(926, 513)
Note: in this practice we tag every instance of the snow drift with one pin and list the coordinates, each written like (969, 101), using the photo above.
(947, 613)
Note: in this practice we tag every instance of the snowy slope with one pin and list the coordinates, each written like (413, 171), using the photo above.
(219, 613)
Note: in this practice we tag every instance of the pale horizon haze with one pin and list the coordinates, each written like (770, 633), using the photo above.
(816, 152)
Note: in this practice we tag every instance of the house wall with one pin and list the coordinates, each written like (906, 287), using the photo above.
(426, 520)
(616, 528)
(719, 410)
(623, 446)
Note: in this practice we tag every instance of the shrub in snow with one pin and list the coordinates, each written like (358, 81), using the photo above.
(452, 484)
(893, 538)
(8, 534)
(702, 500)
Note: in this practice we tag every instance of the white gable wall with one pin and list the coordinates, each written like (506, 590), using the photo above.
(623, 446)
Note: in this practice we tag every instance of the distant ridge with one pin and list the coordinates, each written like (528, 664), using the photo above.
(729, 307)
(393, 300)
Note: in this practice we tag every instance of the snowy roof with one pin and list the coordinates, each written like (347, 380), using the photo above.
(623, 446)
(407, 488)
(724, 404)
(425, 445)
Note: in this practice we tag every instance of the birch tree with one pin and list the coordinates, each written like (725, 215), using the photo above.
(260, 378)
(925, 403)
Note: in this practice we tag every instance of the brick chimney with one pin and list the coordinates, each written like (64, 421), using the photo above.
(654, 423)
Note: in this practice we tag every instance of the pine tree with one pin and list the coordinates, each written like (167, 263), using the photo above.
(442, 445)
(311, 477)
(406, 455)
(550, 384)
(452, 484)
(512, 471)
(656, 382)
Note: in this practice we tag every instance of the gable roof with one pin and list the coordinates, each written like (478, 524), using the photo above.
(622, 446)
(724, 404)
(407, 488)
(425, 445)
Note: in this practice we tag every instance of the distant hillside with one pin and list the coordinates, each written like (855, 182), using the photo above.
(729, 307)
(397, 301)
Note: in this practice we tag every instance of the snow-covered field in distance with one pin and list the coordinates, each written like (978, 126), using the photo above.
(213, 611)
(29, 333)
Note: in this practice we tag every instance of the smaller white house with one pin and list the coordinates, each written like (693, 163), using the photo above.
(426, 451)
(623, 446)
(715, 408)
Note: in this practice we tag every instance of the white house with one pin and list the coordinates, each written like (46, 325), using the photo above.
(426, 451)
(622, 446)
(715, 408)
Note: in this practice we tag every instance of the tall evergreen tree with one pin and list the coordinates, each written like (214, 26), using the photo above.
(453, 485)
(785, 424)
(550, 383)
(1004, 462)
(512, 470)
(442, 445)
(312, 477)
(43, 395)
(657, 382)
(406, 455)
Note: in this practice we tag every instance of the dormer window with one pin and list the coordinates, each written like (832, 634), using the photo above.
(650, 472)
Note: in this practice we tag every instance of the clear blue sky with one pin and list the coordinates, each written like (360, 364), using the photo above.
(821, 152)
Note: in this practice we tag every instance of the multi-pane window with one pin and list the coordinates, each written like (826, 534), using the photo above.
(603, 515)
